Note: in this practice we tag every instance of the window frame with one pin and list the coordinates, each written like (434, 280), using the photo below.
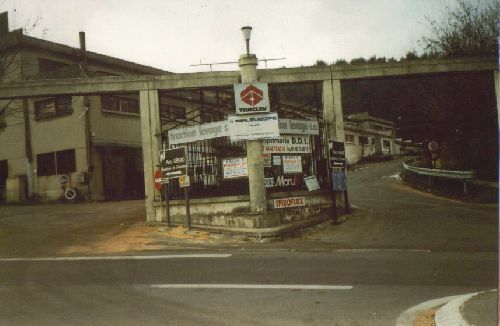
(61, 105)
(54, 165)
(120, 103)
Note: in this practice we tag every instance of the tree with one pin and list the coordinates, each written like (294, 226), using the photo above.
(320, 63)
(469, 28)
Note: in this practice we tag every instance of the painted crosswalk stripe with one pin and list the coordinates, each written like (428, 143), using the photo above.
(254, 286)
(122, 257)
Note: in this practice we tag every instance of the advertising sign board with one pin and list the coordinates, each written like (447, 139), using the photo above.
(287, 144)
(292, 164)
(336, 153)
(221, 128)
(311, 183)
(289, 202)
(299, 127)
(235, 167)
(339, 182)
(256, 126)
(173, 162)
(251, 98)
(199, 132)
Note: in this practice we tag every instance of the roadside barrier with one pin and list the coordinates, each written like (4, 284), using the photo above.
(432, 178)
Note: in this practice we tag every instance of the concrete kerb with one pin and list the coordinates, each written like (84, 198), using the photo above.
(451, 313)
(277, 232)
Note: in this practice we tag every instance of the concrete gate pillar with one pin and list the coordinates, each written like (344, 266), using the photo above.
(150, 125)
(332, 109)
(257, 189)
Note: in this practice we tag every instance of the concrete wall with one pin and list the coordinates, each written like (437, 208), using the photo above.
(55, 134)
(234, 211)
(114, 127)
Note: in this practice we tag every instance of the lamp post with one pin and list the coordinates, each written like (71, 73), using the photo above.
(255, 161)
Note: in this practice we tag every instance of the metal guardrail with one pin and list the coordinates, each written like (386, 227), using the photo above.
(438, 172)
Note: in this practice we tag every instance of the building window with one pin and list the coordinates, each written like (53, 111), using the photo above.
(386, 143)
(65, 161)
(56, 162)
(349, 138)
(172, 112)
(124, 103)
(53, 107)
(363, 140)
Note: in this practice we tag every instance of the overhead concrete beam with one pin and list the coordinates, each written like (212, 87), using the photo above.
(82, 86)
(378, 70)
(99, 85)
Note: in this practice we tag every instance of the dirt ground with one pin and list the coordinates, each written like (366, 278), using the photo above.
(88, 229)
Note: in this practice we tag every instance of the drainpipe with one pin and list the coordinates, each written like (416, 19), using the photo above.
(86, 107)
(27, 134)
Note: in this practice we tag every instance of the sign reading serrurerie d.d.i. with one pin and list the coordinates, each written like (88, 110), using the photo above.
(251, 98)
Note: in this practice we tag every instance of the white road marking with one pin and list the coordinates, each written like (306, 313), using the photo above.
(253, 286)
(122, 257)
(364, 250)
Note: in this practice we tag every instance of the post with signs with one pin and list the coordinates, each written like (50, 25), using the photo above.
(174, 164)
(337, 165)
(253, 99)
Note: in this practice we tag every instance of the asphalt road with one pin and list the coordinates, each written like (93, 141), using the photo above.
(391, 215)
(401, 247)
(128, 292)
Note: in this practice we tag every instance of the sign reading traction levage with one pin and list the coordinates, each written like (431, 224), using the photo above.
(251, 98)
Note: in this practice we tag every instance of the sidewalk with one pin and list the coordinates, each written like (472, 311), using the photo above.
(481, 309)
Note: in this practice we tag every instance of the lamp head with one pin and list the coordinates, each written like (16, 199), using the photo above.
(247, 30)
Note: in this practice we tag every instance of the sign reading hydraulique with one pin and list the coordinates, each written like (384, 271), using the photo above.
(221, 129)
(257, 126)
(251, 98)
(173, 162)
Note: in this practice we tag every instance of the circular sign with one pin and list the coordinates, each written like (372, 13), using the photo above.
(70, 194)
(433, 146)
(64, 179)
(158, 180)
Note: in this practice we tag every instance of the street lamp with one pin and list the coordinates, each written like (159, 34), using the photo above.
(247, 30)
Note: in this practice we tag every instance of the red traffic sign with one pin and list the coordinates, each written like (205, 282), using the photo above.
(158, 179)
(252, 95)
(433, 146)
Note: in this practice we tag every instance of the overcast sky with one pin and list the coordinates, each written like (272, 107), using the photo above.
(173, 34)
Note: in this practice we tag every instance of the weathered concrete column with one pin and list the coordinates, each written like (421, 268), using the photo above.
(332, 109)
(150, 125)
(257, 188)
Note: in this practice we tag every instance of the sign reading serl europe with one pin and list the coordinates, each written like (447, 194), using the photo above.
(251, 98)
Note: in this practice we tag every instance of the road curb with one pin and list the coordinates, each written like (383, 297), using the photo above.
(451, 313)
(409, 315)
